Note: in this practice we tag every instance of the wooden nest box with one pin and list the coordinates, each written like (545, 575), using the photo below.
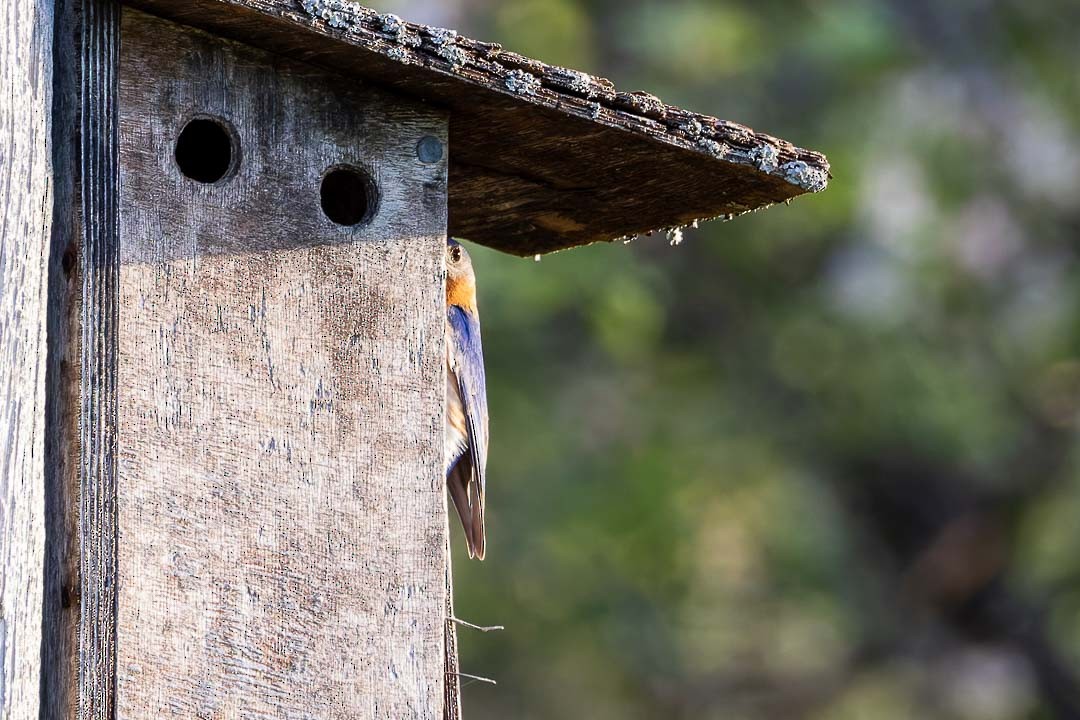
(221, 333)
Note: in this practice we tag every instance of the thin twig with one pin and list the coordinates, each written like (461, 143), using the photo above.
(474, 677)
(481, 628)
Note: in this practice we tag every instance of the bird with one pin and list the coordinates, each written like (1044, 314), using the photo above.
(466, 432)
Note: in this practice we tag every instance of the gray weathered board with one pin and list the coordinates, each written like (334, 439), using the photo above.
(282, 519)
(26, 222)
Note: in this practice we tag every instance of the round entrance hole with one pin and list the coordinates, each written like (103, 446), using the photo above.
(348, 195)
(204, 150)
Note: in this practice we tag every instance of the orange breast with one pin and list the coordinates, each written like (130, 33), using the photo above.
(461, 292)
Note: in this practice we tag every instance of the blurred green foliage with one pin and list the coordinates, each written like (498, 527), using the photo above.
(819, 461)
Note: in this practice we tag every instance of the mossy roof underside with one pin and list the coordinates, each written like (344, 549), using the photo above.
(541, 157)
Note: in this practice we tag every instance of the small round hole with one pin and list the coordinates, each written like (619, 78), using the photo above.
(348, 196)
(204, 150)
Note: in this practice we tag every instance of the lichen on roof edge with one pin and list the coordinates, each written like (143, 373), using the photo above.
(409, 42)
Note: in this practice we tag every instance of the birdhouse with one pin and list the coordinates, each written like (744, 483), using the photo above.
(222, 352)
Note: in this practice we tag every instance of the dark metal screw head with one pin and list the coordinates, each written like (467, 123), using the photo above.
(429, 149)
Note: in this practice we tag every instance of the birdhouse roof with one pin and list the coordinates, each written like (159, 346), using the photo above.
(541, 157)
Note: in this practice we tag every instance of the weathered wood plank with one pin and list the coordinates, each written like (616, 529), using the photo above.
(281, 506)
(100, 245)
(544, 157)
(26, 45)
(84, 212)
(452, 695)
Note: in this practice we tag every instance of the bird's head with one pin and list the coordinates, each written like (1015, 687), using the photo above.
(460, 281)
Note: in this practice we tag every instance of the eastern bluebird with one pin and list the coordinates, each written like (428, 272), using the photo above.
(466, 434)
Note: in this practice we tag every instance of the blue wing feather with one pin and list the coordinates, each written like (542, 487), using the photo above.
(467, 362)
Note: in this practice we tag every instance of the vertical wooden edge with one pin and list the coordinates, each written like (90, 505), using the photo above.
(62, 403)
(99, 202)
(452, 688)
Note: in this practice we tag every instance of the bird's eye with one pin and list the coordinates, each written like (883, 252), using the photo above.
(455, 254)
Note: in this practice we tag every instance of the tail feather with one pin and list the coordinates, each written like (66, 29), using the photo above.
(465, 492)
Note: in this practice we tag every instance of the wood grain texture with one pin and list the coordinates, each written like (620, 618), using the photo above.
(282, 516)
(452, 695)
(544, 158)
(99, 200)
(26, 45)
(75, 157)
